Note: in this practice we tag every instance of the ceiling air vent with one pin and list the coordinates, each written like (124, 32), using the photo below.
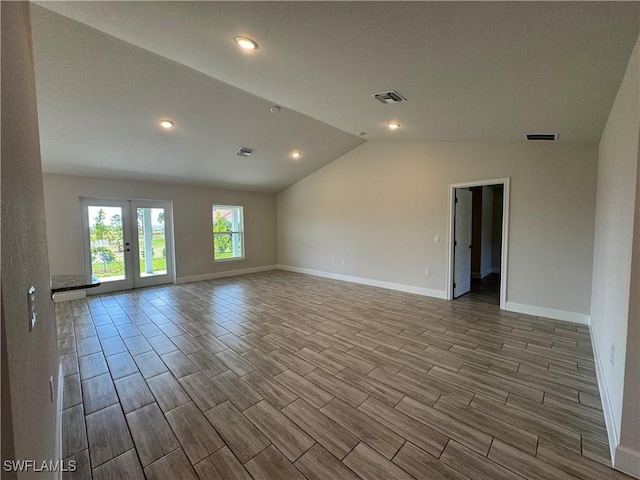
(244, 151)
(389, 97)
(550, 137)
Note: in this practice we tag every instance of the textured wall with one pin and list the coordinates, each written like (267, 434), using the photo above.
(191, 217)
(617, 168)
(32, 357)
(380, 205)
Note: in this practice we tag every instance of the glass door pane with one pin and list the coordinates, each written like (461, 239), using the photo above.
(152, 241)
(107, 245)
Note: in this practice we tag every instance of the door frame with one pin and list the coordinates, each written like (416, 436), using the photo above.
(506, 183)
(133, 279)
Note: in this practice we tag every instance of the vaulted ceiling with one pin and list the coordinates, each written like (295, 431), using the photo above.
(107, 72)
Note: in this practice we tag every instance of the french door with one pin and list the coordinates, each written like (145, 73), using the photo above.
(127, 243)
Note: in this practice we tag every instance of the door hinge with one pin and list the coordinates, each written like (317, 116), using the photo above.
(455, 243)
(454, 284)
(456, 199)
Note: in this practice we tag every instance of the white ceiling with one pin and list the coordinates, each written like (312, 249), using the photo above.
(472, 71)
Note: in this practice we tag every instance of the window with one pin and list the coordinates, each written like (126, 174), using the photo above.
(228, 233)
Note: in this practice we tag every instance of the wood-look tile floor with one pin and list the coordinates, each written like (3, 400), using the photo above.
(279, 375)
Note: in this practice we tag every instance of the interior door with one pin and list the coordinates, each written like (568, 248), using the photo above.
(127, 243)
(462, 242)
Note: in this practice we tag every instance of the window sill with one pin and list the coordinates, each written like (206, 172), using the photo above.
(224, 260)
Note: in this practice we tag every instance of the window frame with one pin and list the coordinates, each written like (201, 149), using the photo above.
(236, 232)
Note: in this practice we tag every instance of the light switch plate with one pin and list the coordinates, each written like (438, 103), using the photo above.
(31, 299)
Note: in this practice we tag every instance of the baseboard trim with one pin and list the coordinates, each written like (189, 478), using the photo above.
(70, 295)
(627, 461)
(573, 317)
(229, 273)
(59, 404)
(485, 272)
(367, 281)
(607, 409)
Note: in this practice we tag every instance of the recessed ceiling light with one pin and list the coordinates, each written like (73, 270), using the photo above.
(246, 43)
(296, 155)
(166, 124)
(275, 109)
(393, 125)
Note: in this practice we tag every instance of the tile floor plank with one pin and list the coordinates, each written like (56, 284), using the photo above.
(151, 433)
(282, 432)
(407, 427)
(364, 427)
(202, 391)
(423, 466)
(370, 465)
(273, 391)
(236, 390)
(270, 464)
(134, 392)
(123, 467)
(318, 464)
(242, 437)
(168, 392)
(222, 465)
(473, 465)
(461, 432)
(108, 435)
(524, 464)
(194, 432)
(302, 387)
(170, 467)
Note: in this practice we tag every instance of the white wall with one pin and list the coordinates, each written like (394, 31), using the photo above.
(191, 217)
(486, 235)
(30, 424)
(380, 205)
(616, 190)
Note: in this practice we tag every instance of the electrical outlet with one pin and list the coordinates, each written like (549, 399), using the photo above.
(427, 272)
(189, 238)
(613, 354)
(342, 261)
(436, 239)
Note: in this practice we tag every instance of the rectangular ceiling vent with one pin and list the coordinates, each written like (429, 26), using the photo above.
(244, 151)
(550, 137)
(389, 97)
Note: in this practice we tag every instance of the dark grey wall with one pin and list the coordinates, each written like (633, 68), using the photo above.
(32, 357)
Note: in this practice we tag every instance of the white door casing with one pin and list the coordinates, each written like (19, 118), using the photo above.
(462, 242)
(504, 270)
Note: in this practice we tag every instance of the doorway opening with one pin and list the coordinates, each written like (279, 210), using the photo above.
(127, 243)
(478, 226)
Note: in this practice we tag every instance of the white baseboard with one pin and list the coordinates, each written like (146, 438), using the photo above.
(69, 295)
(368, 281)
(627, 461)
(485, 272)
(229, 273)
(59, 420)
(581, 318)
(607, 410)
